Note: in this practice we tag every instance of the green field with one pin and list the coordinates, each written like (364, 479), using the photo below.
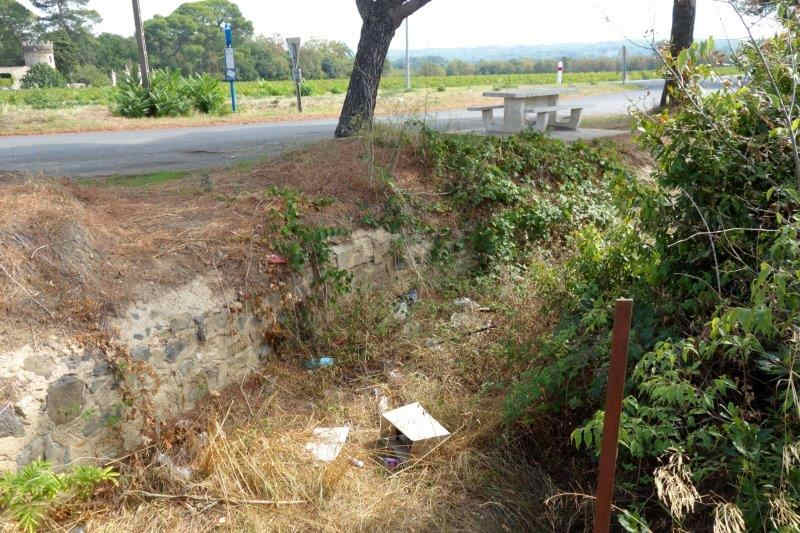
(64, 98)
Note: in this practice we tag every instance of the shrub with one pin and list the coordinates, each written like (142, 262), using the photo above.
(91, 76)
(306, 90)
(42, 99)
(131, 99)
(43, 76)
(170, 95)
(206, 93)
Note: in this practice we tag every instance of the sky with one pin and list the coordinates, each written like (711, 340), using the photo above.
(461, 23)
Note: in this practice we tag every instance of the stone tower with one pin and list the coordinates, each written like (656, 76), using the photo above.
(36, 53)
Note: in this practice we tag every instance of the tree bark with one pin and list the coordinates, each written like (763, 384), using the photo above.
(683, 17)
(377, 33)
(381, 18)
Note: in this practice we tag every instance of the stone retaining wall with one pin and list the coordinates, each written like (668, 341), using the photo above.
(66, 403)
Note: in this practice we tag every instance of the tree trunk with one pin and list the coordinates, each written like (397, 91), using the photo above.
(683, 17)
(377, 33)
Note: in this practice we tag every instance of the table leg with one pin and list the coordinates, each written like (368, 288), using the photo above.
(552, 101)
(514, 118)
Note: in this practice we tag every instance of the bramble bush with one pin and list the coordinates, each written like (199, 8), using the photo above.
(709, 251)
(707, 247)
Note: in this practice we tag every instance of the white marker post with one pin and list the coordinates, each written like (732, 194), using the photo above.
(560, 74)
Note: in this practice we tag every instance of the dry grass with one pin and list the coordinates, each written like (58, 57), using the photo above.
(26, 121)
(72, 253)
(249, 443)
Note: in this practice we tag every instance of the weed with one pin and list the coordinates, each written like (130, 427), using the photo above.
(31, 493)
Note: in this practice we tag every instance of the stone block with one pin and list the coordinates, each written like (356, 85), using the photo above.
(10, 424)
(353, 254)
(66, 398)
(382, 246)
(173, 350)
(40, 365)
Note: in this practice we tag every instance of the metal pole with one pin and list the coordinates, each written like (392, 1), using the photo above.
(616, 389)
(408, 61)
(144, 66)
(299, 89)
(233, 95)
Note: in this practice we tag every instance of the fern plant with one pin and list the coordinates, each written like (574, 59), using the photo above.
(28, 495)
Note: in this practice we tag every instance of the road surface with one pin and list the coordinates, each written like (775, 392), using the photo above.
(145, 151)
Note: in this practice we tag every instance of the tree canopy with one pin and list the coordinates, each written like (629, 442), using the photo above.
(16, 25)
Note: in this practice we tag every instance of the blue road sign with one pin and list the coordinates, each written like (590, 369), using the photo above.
(228, 35)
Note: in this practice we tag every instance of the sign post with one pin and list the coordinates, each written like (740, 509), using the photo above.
(560, 73)
(297, 72)
(616, 389)
(230, 64)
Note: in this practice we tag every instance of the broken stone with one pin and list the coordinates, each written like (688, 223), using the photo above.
(466, 304)
(65, 399)
(10, 424)
(401, 311)
(468, 321)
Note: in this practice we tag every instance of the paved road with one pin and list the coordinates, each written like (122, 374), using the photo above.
(142, 151)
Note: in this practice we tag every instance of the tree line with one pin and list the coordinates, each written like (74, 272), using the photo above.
(190, 41)
(438, 66)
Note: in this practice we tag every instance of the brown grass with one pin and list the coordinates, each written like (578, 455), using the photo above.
(249, 443)
(72, 253)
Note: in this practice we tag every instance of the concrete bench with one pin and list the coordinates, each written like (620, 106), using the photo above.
(488, 113)
(546, 116)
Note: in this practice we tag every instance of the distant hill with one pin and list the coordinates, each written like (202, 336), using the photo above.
(541, 51)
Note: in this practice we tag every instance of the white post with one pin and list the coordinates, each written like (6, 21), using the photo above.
(408, 61)
(113, 78)
(560, 74)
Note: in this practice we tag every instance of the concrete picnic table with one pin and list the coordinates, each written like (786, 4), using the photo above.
(542, 101)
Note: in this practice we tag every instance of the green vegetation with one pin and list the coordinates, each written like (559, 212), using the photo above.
(307, 245)
(28, 495)
(264, 89)
(43, 76)
(170, 95)
(146, 180)
(708, 251)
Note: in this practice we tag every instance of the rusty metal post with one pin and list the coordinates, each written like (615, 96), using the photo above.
(616, 389)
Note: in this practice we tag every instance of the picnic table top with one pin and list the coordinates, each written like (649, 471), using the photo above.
(528, 93)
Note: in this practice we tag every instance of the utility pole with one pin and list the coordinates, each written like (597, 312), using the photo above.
(408, 61)
(144, 66)
(297, 73)
(624, 64)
